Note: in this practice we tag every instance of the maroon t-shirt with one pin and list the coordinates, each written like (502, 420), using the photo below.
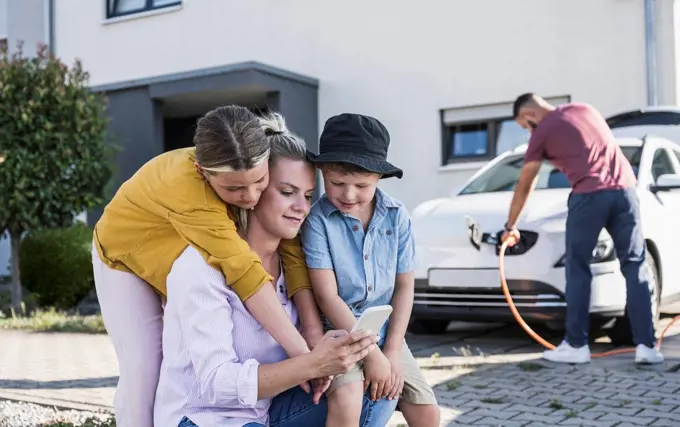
(577, 140)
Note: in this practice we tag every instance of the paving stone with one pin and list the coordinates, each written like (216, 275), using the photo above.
(495, 413)
(589, 393)
(450, 394)
(575, 421)
(529, 409)
(653, 413)
(466, 419)
(665, 423)
(536, 418)
(479, 391)
(635, 420)
(475, 404)
(620, 410)
(490, 421)
(655, 395)
(586, 414)
(564, 398)
(582, 407)
(653, 405)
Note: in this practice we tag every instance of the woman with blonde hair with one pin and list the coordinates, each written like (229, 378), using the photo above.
(220, 367)
(191, 197)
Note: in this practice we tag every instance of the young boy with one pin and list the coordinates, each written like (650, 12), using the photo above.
(360, 253)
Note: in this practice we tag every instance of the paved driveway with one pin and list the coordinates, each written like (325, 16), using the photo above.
(483, 374)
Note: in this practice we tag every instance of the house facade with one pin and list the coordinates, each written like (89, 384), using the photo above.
(441, 74)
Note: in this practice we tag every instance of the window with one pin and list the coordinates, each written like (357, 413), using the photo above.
(661, 164)
(482, 132)
(3, 45)
(116, 8)
(503, 176)
(483, 140)
(469, 140)
(510, 136)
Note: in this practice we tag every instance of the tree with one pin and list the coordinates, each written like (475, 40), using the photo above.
(53, 152)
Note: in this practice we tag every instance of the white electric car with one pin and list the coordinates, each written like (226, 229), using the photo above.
(458, 276)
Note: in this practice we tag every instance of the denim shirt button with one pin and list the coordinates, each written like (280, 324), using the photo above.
(388, 232)
(370, 288)
(355, 228)
(366, 257)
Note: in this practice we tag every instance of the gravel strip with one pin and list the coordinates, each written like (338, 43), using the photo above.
(22, 414)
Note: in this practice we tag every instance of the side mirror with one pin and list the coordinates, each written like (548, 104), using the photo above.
(666, 182)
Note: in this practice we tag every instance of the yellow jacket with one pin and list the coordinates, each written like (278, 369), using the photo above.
(167, 206)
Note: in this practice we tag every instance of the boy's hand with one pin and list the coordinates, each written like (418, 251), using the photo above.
(378, 374)
(397, 379)
(320, 386)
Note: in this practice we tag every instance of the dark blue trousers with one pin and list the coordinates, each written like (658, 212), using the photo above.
(619, 212)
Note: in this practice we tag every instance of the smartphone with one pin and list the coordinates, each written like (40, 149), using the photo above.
(373, 319)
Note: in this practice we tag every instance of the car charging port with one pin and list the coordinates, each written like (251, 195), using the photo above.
(527, 239)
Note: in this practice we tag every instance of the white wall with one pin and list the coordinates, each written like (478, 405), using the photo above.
(26, 22)
(3, 19)
(399, 60)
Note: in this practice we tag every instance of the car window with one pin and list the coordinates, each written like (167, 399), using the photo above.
(662, 164)
(504, 175)
(677, 155)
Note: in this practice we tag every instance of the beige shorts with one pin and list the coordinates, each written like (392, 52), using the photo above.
(416, 389)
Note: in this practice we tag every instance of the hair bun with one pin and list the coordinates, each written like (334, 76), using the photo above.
(273, 124)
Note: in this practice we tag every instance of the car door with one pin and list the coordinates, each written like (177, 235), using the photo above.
(666, 205)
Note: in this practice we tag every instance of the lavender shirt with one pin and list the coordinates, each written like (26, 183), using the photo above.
(212, 348)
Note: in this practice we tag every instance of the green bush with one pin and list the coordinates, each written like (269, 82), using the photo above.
(56, 265)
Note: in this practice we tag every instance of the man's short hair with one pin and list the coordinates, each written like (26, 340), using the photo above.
(520, 102)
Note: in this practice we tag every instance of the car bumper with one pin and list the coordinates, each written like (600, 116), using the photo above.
(536, 301)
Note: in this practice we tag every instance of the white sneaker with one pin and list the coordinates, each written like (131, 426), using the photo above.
(565, 353)
(647, 356)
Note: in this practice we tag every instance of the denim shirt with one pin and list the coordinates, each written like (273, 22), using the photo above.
(365, 264)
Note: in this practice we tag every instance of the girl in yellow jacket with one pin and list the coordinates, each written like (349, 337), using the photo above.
(188, 197)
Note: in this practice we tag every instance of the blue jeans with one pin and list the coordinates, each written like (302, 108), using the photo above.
(619, 212)
(294, 408)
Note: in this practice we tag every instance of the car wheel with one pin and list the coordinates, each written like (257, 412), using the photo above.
(620, 334)
(429, 326)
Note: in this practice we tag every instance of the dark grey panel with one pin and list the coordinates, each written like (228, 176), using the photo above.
(299, 105)
(179, 132)
(136, 129)
(237, 79)
(221, 70)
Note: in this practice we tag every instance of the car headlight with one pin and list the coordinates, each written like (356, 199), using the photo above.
(603, 252)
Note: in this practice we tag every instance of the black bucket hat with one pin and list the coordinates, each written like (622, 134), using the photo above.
(358, 140)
